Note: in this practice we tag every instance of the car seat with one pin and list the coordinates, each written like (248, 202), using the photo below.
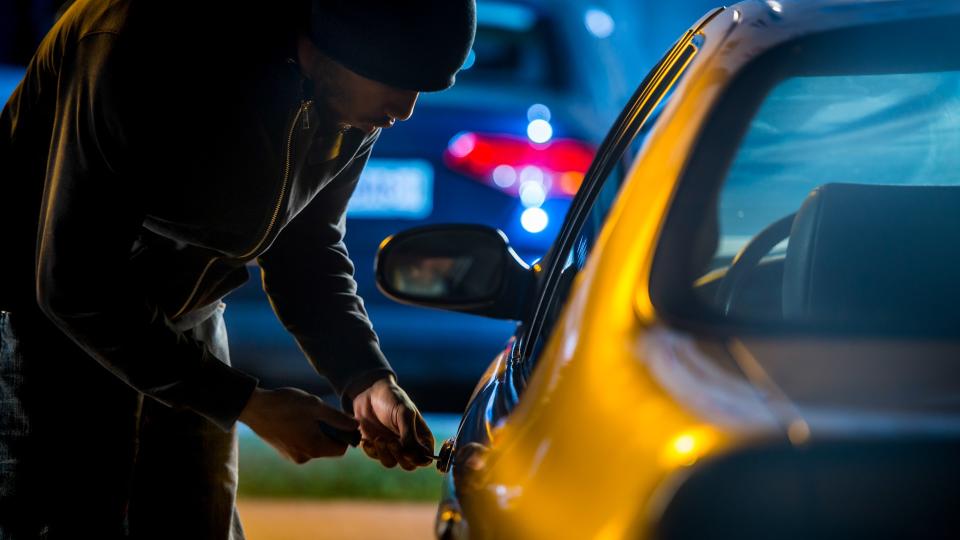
(884, 256)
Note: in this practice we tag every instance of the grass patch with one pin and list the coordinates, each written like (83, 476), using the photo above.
(263, 473)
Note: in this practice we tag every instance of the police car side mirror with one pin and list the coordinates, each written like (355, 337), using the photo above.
(465, 268)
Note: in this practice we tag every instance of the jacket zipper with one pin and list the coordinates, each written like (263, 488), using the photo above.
(287, 166)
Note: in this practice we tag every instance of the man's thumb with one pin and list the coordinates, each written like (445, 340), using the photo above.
(409, 436)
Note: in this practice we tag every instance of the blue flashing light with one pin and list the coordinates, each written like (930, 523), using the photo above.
(538, 111)
(598, 22)
(534, 220)
(532, 194)
(539, 131)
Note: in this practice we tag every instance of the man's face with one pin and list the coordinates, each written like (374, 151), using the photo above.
(350, 99)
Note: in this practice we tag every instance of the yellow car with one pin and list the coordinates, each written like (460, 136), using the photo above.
(748, 325)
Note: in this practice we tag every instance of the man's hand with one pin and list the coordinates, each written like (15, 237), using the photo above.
(288, 419)
(393, 430)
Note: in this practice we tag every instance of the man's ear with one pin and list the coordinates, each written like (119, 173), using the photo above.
(308, 56)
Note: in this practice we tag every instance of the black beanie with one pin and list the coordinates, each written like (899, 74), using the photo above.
(410, 44)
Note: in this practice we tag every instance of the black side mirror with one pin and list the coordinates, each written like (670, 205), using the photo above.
(466, 268)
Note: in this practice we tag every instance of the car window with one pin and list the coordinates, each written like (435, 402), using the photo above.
(592, 205)
(514, 46)
(864, 144)
(892, 129)
(839, 209)
(576, 254)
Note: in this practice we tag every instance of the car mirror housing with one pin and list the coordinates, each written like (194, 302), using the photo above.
(465, 268)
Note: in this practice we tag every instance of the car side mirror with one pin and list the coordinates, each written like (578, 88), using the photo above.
(466, 268)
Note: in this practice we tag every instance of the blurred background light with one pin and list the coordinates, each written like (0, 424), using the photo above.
(504, 176)
(503, 161)
(518, 18)
(598, 22)
(531, 174)
(471, 59)
(532, 194)
(539, 131)
(462, 144)
(534, 220)
(538, 111)
(570, 182)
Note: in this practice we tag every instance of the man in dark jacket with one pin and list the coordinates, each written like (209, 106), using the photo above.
(152, 151)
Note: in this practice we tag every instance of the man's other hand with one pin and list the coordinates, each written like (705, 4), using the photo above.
(288, 419)
(393, 430)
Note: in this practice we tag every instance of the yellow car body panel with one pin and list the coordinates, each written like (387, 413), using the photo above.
(598, 442)
(540, 474)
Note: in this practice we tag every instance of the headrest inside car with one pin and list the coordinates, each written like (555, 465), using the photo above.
(875, 256)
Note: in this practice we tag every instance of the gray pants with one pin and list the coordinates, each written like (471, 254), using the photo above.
(83, 455)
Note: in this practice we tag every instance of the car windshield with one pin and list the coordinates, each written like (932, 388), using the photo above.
(841, 207)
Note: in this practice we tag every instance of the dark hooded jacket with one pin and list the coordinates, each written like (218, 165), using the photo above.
(154, 151)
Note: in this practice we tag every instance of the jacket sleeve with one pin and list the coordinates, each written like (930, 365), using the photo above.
(91, 214)
(308, 277)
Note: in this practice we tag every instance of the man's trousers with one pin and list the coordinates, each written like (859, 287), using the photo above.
(83, 455)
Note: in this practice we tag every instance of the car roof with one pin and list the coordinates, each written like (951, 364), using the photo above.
(795, 18)
(846, 5)
(752, 27)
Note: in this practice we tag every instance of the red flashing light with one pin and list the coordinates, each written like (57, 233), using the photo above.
(563, 162)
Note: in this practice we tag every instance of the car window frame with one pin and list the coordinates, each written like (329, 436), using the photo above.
(615, 146)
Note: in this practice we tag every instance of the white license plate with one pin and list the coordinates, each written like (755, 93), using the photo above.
(393, 189)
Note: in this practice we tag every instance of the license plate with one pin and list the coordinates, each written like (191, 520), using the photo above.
(394, 189)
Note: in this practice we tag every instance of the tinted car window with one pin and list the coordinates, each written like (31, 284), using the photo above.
(513, 47)
(841, 208)
(894, 129)
(576, 256)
